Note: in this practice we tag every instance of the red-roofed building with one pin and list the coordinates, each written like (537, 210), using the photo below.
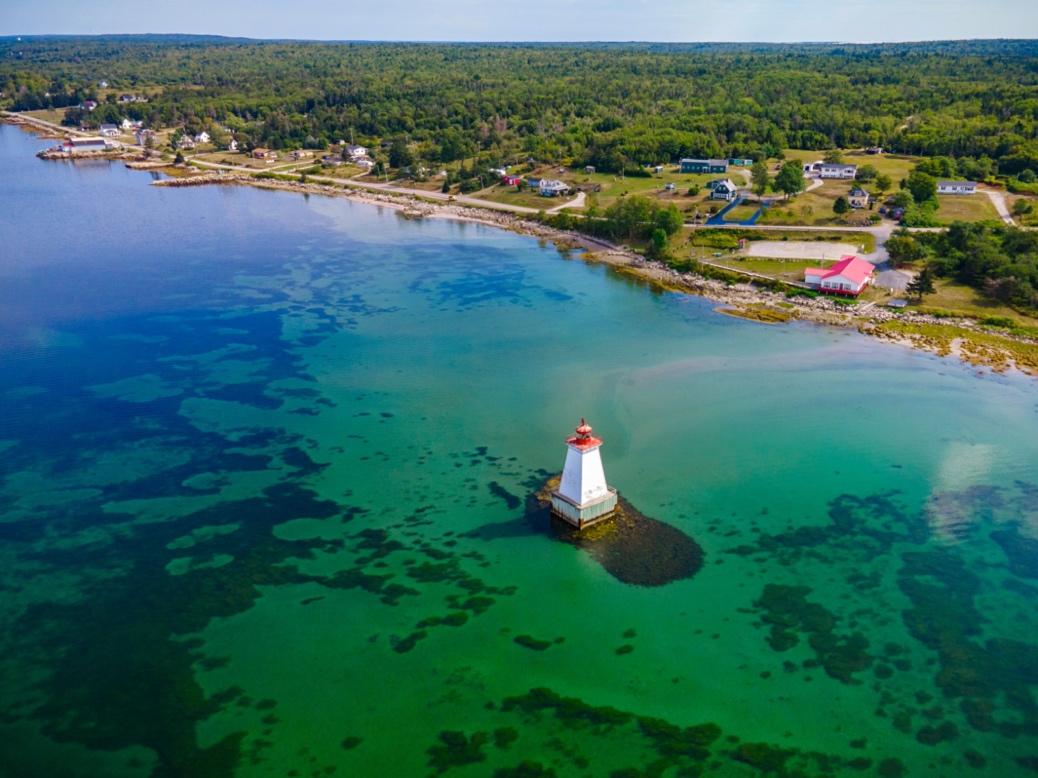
(848, 276)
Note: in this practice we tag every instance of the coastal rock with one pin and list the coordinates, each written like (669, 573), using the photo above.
(631, 546)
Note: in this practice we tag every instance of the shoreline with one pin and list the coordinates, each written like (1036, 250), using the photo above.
(742, 300)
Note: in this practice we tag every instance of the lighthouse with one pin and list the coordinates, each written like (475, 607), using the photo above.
(583, 497)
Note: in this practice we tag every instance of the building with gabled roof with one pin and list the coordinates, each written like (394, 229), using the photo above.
(848, 277)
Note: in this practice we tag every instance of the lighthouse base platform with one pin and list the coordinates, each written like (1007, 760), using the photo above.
(584, 514)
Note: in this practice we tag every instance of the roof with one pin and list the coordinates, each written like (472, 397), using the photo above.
(956, 183)
(718, 162)
(722, 183)
(850, 267)
(843, 165)
(859, 192)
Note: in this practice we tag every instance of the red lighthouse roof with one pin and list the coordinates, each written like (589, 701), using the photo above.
(583, 438)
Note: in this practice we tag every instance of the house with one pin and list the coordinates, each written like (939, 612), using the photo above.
(143, 136)
(202, 137)
(185, 142)
(131, 124)
(740, 162)
(365, 163)
(73, 146)
(511, 180)
(301, 154)
(704, 166)
(589, 169)
(874, 150)
(858, 198)
(89, 105)
(837, 170)
(550, 187)
(354, 152)
(265, 154)
(847, 277)
(657, 169)
(812, 168)
(232, 145)
(722, 189)
(956, 187)
(500, 172)
(109, 131)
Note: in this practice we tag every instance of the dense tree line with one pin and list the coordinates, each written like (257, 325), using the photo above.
(611, 106)
(999, 261)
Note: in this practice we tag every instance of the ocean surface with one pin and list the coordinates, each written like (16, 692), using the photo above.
(265, 468)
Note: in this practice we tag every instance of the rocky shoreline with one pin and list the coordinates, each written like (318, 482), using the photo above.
(745, 300)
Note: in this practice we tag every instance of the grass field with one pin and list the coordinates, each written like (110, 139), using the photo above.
(512, 196)
(897, 166)
(613, 186)
(781, 269)
(815, 208)
(966, 208)
(964, 301)
(53, 115)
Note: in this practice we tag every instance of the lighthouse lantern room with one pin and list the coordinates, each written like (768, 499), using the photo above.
(583, 497)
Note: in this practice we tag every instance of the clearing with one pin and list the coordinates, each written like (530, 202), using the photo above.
(800, 249)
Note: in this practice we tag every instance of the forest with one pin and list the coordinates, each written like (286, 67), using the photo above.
(607, 105)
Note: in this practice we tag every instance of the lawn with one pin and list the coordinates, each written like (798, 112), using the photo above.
(52, 115)
(741, 212)
(967, 302)
(512, 196)
(613, 186)
(816, 208)
(897, 166)
(966, 208)
(781, 269)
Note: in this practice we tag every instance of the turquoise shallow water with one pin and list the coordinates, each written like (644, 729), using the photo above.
(264, 463)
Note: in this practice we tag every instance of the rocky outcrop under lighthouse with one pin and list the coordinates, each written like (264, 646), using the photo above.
(631, 546)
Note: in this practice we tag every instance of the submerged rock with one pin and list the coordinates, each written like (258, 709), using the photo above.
(631, 546)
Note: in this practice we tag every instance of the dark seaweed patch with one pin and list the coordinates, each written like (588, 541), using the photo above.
(532, 643)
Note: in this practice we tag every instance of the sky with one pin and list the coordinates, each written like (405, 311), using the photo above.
(853, 21)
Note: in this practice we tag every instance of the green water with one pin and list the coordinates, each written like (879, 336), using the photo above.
(264, 463)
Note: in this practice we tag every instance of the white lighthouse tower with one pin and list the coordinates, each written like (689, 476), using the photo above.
(583, 497)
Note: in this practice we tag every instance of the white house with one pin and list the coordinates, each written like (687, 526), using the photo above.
(202, 137)
(73, 146)
(109, 131)
(550, 187)
(837, 170)
(232, 145)
(131, 124)
(301, 154)
(812, 168)
(956, 187)
(723, 189)
(847, 277)
(354, 152)
(500, 172)
(858, 198)
(142, 136)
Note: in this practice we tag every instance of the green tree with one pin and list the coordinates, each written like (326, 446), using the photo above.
(790, 179)
(1022, 208)
(400, 153)
(904, 248)
(923, 186)
(833, 155)
(178, 159)
(866, 173)
(841, 206)
(761, 177)
(883, 182)
(657, 243)
(922, 283)
(669, 219)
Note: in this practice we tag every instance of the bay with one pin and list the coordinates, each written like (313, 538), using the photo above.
(264, 462)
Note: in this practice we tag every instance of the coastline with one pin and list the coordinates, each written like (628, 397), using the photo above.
(742, 300)
(996, 350)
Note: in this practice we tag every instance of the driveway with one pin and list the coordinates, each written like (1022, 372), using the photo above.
(998, 199)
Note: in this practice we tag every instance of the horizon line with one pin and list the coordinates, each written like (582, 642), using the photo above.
(23, 36)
